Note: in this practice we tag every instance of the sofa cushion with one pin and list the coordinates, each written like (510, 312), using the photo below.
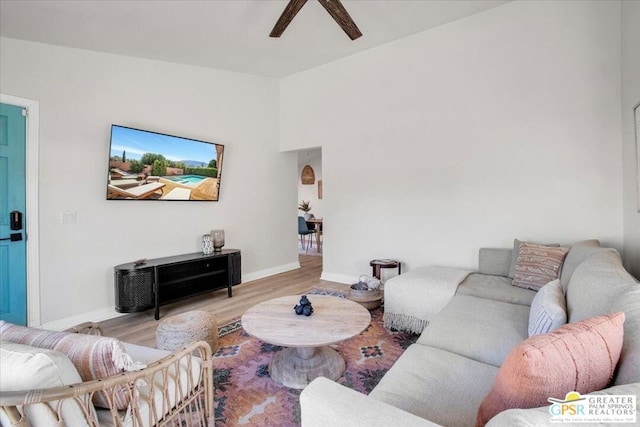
(548, 309)
(537, 265)
(534, 417)
(325, 403)
(143, 354)
(480, 329)
(629, 364)
(95, 357)
(578, 357)
(497, 288)
(437, 385)
(494, 261)
(24, 367)
(596, 284)
(170, 385)
(577, 254)
(514, 254)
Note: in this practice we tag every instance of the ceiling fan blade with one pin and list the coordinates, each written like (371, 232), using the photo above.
(341, 16)
(287, 16)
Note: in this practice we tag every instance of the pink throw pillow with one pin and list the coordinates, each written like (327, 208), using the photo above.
(578, 357)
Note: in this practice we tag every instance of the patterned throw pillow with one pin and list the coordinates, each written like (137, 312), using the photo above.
(514, 254)
(94, 357)
(579, 356)
(537, 265)
(548, 309)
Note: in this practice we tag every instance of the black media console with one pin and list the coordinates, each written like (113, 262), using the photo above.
(158, 281)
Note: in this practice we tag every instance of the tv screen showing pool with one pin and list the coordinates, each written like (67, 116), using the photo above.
(146, 165)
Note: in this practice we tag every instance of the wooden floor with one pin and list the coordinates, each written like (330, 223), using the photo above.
(140, 328)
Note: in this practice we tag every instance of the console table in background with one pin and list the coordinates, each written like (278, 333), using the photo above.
(162, 280)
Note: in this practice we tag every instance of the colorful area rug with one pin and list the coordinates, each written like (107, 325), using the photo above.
(245, 394)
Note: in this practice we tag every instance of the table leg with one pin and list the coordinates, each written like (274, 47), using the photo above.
(229, 276)
(296, 367)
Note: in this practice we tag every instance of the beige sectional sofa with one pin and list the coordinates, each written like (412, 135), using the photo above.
(443, 378)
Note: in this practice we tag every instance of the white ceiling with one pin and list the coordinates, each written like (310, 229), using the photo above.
(224, 34)
(306, 156)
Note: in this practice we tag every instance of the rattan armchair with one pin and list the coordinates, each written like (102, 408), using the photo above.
(168, 399)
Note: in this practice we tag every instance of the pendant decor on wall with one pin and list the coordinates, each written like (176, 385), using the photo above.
(308, 176)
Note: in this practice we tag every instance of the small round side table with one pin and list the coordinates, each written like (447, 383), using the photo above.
(379, 264)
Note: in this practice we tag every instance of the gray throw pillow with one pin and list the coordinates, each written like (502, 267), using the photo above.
(548, 309)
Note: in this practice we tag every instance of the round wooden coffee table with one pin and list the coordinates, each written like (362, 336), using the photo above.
(306, 338)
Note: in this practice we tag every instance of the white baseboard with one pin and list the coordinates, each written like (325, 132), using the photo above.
(339, 278)
(261, 274)
(110, 312)
(93, 316)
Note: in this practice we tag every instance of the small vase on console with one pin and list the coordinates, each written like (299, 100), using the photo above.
(207, 244)
(218, 240)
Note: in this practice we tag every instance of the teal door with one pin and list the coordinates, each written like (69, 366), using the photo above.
(13, 264)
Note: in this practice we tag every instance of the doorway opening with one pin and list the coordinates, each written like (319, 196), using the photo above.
(310, 202)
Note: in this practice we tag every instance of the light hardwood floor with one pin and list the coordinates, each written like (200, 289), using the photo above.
(140, 328)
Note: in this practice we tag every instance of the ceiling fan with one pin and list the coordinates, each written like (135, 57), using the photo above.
(335, 9)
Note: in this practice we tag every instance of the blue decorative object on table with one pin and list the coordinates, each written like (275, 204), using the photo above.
(304, 307)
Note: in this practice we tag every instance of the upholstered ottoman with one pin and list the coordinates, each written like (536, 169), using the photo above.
(175, 332)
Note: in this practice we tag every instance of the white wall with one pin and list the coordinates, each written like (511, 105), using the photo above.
(81, 94)
(630, 97)
(503, 124)
(308, 192)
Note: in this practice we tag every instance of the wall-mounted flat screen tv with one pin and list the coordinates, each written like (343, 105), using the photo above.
(145, 165)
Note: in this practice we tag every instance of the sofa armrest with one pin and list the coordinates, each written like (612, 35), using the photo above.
(87, 328)
(534, 417)
(170, 385)
(495, 261)
(325, 403)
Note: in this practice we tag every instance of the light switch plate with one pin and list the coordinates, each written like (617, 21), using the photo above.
(68, 218)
